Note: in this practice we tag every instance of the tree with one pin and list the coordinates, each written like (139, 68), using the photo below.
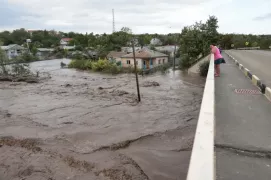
(3, 61)
(126, 30)
(196, 39)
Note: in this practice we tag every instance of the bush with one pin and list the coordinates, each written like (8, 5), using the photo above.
(26, 57)
(100, 65)
(203, 68)
(80, 64)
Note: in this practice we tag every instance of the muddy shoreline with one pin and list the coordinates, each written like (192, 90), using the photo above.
(79, 125)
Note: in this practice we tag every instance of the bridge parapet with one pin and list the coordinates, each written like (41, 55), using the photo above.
(202, 162)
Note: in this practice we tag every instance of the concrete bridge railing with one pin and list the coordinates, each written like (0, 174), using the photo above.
(202, 162)
(249, 48)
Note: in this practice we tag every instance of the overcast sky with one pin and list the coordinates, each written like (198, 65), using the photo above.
(142, 16)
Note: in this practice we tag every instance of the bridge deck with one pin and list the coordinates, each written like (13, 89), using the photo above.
(257, 61)
(243, 127)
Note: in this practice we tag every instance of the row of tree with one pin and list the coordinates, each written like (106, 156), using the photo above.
(194, 40)
(228, 41)
(112, 41)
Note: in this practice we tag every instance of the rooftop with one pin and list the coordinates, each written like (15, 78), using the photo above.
(12, 46)
(45, 49)
(116, 54)
(145, 53)
(66, 39)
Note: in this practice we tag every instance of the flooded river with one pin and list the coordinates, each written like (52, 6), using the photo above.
(82, 125)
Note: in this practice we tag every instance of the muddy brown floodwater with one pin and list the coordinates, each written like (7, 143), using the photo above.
(88, 126)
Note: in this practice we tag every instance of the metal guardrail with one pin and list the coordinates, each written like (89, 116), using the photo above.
(202, 162)
(248, 48)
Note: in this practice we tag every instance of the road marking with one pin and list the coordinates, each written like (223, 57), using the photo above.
(247, 91)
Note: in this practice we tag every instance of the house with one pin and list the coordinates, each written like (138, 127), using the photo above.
(68, 47)
(156, 42)
(167, 49)
(65, 41)
(44, 52)
(13, 50)
(115, 56)
(145, 58)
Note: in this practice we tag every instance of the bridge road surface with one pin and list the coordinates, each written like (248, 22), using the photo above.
(243, 127)
(257, 61)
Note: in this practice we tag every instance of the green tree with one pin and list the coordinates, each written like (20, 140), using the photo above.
(3, 61)
(196, 39)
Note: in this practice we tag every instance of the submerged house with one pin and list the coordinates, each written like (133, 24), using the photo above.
(44, 52)
(169, 49)
(13, 50)
(145, 58)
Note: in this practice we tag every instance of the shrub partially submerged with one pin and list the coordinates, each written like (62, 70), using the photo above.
(101, 65)
(17, 71)
(80, 64)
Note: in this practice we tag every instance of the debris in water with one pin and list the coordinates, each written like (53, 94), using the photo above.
(118, 92)
(77, 164)
(67, 122)
(30, 144)
(150, 84)
(68, 85)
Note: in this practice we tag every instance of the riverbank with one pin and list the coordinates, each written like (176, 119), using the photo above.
(82, 125)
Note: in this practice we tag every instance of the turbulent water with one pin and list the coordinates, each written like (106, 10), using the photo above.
(82, 125)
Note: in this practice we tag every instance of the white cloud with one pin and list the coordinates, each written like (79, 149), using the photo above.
(142, 16)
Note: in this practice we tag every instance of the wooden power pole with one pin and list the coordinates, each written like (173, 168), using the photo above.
(135, 66)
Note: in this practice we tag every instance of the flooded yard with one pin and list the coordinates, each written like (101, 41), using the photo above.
(81, 125)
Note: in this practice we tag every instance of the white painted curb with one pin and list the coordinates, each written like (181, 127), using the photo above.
(202, 162)
(268, 93)
(255, 80)
(241, 66)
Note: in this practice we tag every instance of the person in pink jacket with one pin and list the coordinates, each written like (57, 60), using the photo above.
(218, 59)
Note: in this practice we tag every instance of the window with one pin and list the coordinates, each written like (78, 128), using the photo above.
(128, 62)
(159, 62)
(151, 62)
(163, 61)
(144, 62)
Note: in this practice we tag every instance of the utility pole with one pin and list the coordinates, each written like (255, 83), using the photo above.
(135, 65)
(113, 13)
(174, 57)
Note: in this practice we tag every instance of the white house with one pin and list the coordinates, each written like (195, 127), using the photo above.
(169, 49)
(13, 50)
(65, 41)
(44, 52)
(145, 58)
(156, 42)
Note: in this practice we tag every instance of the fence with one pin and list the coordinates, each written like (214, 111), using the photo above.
(202, 162)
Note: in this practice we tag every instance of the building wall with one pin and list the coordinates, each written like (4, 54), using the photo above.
(162, 60)
(124, 62)
(155, 62)
(12, 53)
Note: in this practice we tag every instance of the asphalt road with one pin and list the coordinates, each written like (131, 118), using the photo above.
(257, 61)
(243, 130)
